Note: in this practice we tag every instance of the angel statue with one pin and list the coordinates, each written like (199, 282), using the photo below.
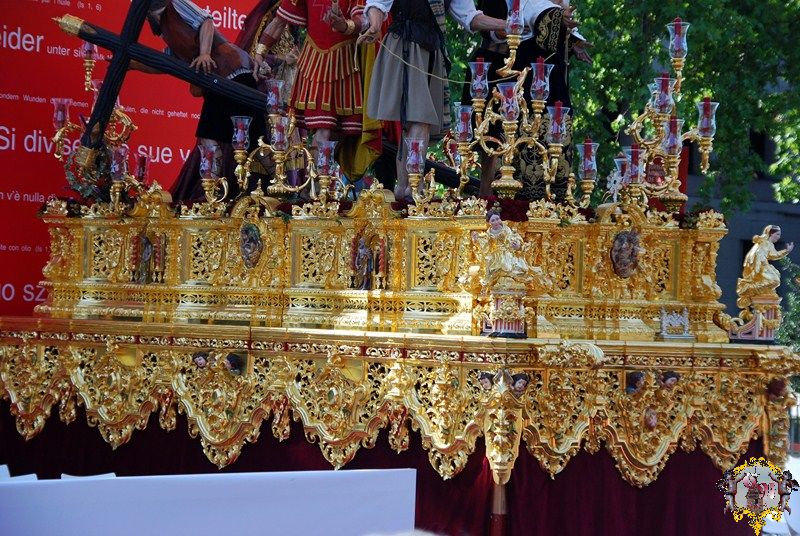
(501, 246)
(759, 277)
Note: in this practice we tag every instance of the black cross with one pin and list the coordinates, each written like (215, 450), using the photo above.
(126, 48)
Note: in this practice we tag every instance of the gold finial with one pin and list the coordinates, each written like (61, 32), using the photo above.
(69, 24)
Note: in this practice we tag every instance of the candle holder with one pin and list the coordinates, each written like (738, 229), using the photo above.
(479, 87)
(508, 107)
(678, 48)
(240, 142)
(635, 159)
(282, 128)
(463, 137)
(118, 171)
(615, 181)
(325, 164)
(587, 169)
(62, 125)
(507, 186)
(91, 54)
(706, 129)
(557, 124)
(415, 166)
(514, 26)
(672, 143)
(663, 101)
(662, 146)
(540, 85)
(142, 169)
(209, 174)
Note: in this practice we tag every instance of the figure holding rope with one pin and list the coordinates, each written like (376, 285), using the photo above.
(414, 54)
(550, 32)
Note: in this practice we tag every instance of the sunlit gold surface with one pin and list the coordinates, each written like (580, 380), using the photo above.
(405, 356)
(303, 277)
(347, 386)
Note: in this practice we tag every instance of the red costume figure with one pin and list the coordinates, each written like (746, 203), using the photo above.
(280, 63)
(328, 96)
(329, 93)
(282, 58)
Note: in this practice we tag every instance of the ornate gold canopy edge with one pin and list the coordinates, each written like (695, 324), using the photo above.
(641, 400)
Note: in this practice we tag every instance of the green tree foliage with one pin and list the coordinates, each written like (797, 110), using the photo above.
(789, 332)
(743, 53)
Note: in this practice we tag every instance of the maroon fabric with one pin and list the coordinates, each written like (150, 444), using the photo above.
(459, 506)
(588, 498)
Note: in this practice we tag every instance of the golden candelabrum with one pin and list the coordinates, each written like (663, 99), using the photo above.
(119, 128)
(84, 162)
(118, 132)
(657, 131)
(521, 125)
(281, 149)
(516, 132)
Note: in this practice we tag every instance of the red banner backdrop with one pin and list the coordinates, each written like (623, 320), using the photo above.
(41, 63)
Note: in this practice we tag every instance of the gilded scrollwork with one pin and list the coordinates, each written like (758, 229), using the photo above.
(646, 429)
(338, 403)
(61, 255)
(215, 267)
(566, 398)
(444, 411)
(31, 376)
(557, 398)
(735, 418)
(117, 387)
(503, 422)
(262, 287)
(206, 255)
(224, 408)
(107, 254)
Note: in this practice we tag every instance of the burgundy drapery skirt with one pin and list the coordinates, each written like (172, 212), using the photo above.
(588, 498)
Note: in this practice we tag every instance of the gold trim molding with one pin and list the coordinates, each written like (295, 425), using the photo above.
(345, 387)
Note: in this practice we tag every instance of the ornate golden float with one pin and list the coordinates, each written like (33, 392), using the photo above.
(134, 298)
(354, 319)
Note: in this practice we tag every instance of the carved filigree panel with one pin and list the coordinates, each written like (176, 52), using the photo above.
(316, 258)
(555, 397)
(338, 402)
(703, 274)
(118, 387)
(205, 255)
(33, 379)
(425, 273)
(444, 408)
(658, 269)
(560, 261)
(62, 255)
(224, 408)
(732, 416)
(106, 254)
(645, 429)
